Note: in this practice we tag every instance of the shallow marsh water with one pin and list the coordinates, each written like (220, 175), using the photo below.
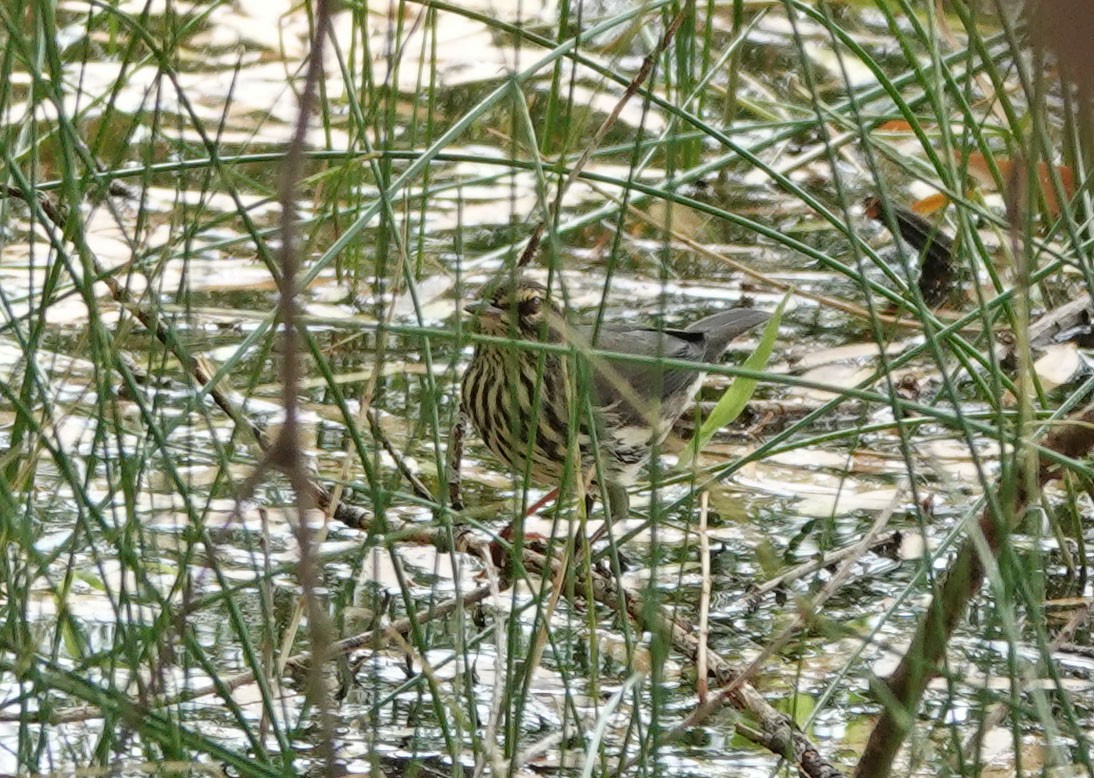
(125, 559)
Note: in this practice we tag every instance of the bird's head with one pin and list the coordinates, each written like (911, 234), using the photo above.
(519, 307)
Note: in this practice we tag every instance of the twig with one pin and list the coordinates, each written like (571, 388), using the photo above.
(905, 687)
(411, 477)
(805, 614)
(830, 558)
(54, 211)
(285, 452)
(776, 731)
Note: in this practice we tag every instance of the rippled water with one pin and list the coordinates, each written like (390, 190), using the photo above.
(130, 562)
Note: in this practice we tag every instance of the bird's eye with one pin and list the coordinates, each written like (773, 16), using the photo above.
(531, 305)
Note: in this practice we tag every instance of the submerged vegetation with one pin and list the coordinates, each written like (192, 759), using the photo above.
(246, 532)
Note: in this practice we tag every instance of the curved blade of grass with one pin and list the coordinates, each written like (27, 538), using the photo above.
(738, 394)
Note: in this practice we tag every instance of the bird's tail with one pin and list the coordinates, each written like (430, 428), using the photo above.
(723, 327)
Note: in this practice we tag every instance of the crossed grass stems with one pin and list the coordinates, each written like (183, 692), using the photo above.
(577, 486)
(484, 551)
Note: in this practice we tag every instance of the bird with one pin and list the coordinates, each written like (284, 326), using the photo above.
(521, 402)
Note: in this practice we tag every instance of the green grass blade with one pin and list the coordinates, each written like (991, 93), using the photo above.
(736, 397)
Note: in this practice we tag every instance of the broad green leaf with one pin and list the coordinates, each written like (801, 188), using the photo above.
(736, 397)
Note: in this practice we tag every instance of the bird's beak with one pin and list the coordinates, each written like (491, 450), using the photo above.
(484, 309)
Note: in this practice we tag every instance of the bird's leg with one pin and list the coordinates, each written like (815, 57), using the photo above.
(617, 508)
(582, 542)
(619, 503)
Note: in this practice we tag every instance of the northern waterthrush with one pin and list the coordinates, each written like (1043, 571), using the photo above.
(529, 414)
